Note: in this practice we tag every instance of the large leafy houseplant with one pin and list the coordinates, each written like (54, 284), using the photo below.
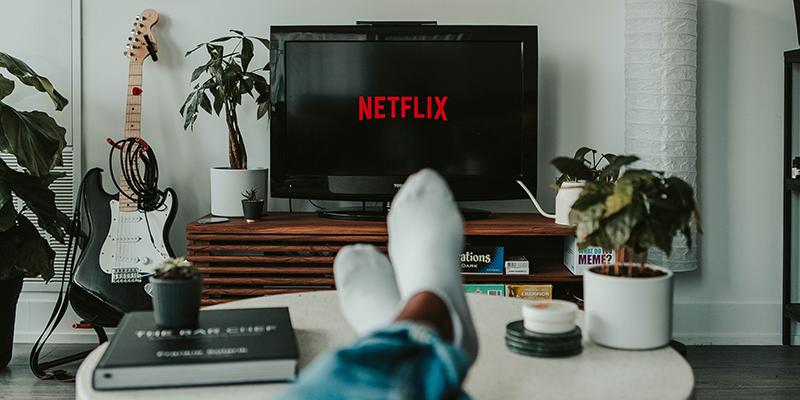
(228, 79)
(37, 141)
(640, 210)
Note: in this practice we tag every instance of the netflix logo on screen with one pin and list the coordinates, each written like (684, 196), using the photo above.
(379, 107)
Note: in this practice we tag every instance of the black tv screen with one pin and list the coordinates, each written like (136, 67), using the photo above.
(357, 109)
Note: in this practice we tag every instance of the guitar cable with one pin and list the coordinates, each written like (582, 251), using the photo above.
(144, 188)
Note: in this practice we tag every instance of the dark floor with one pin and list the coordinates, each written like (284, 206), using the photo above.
(721, 372)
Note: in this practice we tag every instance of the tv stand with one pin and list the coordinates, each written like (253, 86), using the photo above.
(294, 252)
(379, 213)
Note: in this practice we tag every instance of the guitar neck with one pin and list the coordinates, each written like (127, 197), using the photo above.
(133, 118)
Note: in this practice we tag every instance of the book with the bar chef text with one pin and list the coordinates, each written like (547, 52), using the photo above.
(227, 347)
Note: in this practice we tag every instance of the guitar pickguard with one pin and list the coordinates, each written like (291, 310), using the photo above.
(135, 239)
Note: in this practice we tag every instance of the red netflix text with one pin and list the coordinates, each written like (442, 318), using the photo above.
(400, 106)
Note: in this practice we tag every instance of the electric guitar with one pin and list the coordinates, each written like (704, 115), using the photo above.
(125, 243)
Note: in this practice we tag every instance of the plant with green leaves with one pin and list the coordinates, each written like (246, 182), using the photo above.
(640, 210)
(228, 79)
(177, 268)
(580, 167)
(250, 195)
(37, 141)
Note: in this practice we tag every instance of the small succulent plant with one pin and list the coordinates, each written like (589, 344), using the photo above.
(250, 195)
(176, 269)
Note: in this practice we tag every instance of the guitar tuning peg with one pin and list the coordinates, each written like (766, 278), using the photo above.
(133, 31)
(137, 18)
(143, 18)
(135, 23)
(125, 53)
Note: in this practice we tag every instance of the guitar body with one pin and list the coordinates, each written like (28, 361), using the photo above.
(93, 295)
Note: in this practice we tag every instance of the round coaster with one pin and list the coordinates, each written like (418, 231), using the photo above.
(522, 341)
(517, 330)
(524, 344)
(544, 353)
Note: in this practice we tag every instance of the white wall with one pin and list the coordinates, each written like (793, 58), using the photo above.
(734, 297)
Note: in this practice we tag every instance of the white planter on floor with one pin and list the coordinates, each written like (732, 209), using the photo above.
(567, 194)
(227, 186)
(628, 313)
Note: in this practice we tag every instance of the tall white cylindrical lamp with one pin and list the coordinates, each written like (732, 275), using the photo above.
(660, 99)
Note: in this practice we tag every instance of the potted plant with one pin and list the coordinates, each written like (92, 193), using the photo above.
(176, 287)
(629, 304)
(229, 78)
(579, 169)
(37, 141)
(252, 206)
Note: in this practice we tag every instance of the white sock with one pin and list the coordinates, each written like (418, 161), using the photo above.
(426, 235)
(366, 286)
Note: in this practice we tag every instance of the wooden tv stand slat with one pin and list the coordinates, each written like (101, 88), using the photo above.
(294, 252)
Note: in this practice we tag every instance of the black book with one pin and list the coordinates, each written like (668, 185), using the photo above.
(227, 347)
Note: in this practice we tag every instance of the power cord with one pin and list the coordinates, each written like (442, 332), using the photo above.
(536, 203)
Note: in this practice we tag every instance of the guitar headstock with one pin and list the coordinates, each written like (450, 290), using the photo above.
(142, 42)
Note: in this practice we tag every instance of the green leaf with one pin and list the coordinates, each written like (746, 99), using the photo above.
(37, 197)
(263, 41)
(205, 103)
(615, 164)
(6, 185)
(574, 168)
(27, 76)
(33, 137)
(229, 79)
(6, 86)
(581, 153)
(219, 100)
(247, 53)
(263, 108)
(9, 254)
(195, 49)
(191, 112)
(8, 216)
(197, 72)
(616, 202)
(35, 255)
(222, 39)
(185, 102)
(240, 33)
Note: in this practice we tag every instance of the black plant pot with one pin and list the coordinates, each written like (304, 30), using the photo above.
(9, 294)
(253, 209)
(176, 303)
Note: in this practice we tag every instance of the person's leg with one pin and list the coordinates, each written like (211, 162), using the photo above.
(366, 287)
(426, 352)
(425, 239)
(428, 308)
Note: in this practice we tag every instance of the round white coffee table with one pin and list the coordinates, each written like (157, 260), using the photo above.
(596, 373)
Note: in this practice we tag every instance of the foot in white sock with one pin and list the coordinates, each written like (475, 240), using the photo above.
(366, 286)
(425, 240)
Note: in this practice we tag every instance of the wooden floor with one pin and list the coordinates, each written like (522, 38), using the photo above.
(721, 373)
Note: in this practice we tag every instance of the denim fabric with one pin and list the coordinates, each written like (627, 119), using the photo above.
(403, 361)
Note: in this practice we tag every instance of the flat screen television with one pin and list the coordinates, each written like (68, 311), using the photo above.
(356, 109)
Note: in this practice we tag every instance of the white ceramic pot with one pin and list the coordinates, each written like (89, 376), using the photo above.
(567, 194)
(628, 313)
(227, 186)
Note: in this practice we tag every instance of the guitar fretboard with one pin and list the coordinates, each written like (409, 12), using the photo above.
(133, 118)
